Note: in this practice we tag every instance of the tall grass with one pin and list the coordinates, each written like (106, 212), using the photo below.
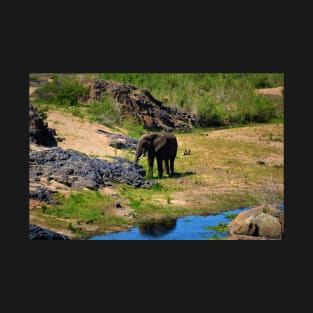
(104, 111)
(218, 99)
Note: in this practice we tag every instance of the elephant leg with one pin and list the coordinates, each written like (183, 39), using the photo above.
(167, 167)
(172, 166)
(160, 167)
(150, 165)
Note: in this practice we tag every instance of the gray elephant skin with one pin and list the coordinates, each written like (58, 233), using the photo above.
(163, 147)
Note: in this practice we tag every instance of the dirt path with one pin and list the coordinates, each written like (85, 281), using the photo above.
(271, 92)
(81, 135)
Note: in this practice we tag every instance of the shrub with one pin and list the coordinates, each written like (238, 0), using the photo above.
(105, 111)
(265, 109)
(210, 114)
(135, 130)
(62, 91)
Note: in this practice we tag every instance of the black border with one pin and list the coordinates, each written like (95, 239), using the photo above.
(172, 47)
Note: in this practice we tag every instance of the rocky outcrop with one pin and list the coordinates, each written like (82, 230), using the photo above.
(141, 105)
(259, 222)
(39, 233)
(77, 171)
(39, 132)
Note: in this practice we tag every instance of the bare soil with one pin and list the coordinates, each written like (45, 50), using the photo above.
(81, 135)
(271, 92)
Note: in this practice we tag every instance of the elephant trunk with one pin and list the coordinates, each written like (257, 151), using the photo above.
(136, 160)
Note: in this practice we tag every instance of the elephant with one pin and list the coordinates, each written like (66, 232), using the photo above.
(161, 146)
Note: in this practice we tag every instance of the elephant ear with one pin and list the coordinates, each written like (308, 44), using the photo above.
(158, 143)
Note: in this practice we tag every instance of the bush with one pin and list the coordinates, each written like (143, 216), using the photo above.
(265, 109)
(210, 114)
(62, 91)
(105, 111)
(135, 130)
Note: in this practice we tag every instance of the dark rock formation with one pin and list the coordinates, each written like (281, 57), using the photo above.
(78, 171)
(42, 193)
(39, 233)
(141, 105)
(39, 132)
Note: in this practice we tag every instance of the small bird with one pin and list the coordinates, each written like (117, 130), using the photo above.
(186, 152)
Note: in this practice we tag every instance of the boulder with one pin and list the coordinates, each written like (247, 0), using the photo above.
(258, 222)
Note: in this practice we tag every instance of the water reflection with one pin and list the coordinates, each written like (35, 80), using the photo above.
(157, 227)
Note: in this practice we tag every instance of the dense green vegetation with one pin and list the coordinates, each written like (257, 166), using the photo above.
(63, 91)
(218, 99)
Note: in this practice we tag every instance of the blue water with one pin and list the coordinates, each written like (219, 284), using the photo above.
(183, 228)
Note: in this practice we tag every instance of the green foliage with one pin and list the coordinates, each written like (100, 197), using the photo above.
(63, 91)
(44, 208)
(134, 129)
(210, 114)
(168, 199)
(220, 228)
(218, 99)
(231, 216)
(42, 109)
(105, 111)
(135, 204)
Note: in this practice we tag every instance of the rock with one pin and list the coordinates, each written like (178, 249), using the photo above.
(258, 222)
(39, 132)
(243, 237)
(120, 141)
(140, 104)
(39, 233)
(260, 162)
(78, 171)
(42, 193)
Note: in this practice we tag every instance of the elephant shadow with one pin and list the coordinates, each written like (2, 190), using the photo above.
(175, 175)
(183, 174)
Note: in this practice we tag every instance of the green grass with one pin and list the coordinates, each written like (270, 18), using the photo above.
(84, 205)
(134, 129)
(80, 210)
(220, 228)
(231, 216)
